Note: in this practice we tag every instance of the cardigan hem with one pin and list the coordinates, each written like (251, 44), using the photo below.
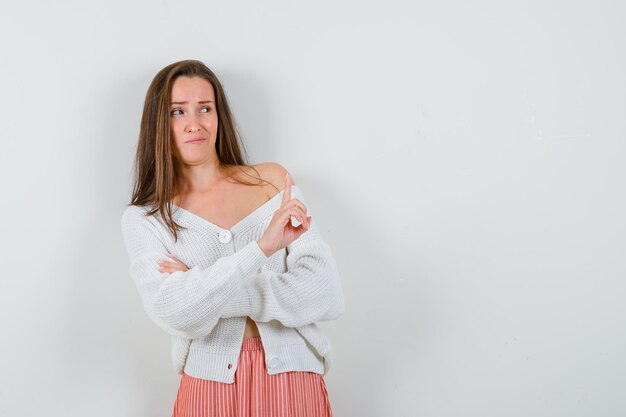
(214, 366)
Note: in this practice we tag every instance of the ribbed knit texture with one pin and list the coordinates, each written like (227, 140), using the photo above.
(204, 309)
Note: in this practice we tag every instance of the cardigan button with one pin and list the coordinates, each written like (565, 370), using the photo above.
(230, 365)
(273, 361)
(225, 236)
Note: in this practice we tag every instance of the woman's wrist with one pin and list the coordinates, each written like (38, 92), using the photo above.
(265, 250)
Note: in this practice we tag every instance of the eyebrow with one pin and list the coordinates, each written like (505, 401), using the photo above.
(185, 102)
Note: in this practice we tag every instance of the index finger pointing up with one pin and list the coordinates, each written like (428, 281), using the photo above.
(287, 192)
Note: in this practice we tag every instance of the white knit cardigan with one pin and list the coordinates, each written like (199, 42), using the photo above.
(204, 309)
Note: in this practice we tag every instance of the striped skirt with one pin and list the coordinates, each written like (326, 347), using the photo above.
(254, 393)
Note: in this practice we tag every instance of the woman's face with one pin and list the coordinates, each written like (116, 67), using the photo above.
(193, 119)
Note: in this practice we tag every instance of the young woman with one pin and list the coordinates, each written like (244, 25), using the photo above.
(227, 259)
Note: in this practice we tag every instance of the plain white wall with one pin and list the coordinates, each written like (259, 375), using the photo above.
(464, 160)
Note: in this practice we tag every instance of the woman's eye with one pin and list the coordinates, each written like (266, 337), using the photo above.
(176, 112)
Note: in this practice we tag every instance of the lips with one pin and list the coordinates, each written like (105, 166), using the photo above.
(196, 140)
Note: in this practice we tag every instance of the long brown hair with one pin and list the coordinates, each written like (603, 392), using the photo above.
(156, 171)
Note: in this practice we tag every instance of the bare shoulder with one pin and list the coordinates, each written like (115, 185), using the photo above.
(274, 173)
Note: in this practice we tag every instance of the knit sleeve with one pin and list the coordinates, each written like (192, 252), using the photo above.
(184, 303)
(309, 291)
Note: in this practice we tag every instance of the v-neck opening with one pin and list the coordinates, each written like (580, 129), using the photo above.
(255, 214)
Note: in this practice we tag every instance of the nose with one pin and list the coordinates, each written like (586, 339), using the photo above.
(192, 124)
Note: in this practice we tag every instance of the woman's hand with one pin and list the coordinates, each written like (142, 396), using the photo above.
(280, 231)
(172, 266)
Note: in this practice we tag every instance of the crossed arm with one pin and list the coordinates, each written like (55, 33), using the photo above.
(190, 303)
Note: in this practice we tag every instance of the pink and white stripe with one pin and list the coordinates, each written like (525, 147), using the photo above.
(254, 393)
